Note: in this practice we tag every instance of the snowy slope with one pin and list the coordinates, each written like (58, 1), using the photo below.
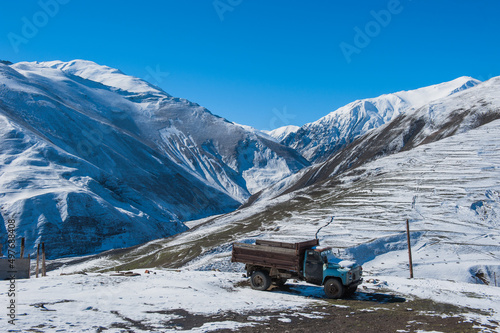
(70, 204)
(78, 183)
(319, 140)
(228, 156)
(136, 156)
(108, 76)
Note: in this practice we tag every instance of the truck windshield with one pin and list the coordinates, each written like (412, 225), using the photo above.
(327, 255)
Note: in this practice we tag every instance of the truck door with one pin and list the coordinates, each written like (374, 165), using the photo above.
(313, 267)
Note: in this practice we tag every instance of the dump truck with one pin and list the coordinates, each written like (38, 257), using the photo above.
(270, 262)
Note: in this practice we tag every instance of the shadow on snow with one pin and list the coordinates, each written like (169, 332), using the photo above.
(318, 292)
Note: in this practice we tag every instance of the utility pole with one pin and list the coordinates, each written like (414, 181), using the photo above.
(409, 247)
(37, 260)
(44, 272)
(22, 248)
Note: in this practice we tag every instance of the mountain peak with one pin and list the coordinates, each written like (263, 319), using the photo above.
(126, 163)
(419, 97)
(106, 75)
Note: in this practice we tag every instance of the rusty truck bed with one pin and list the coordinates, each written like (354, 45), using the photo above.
(280, 255)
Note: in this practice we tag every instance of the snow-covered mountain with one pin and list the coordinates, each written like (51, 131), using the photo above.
(447, 116)
(93, 159)
(228, 156)
(319, 140)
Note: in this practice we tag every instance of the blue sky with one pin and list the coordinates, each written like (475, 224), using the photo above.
(264, 63)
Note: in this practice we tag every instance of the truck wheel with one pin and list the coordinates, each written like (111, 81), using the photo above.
(260, 280)
(334, 288)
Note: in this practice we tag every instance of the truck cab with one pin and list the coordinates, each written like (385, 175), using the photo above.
(322, 267)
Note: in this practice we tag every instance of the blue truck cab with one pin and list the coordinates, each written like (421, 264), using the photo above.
(339, 277)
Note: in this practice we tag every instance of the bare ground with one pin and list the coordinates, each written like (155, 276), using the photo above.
(365, 311)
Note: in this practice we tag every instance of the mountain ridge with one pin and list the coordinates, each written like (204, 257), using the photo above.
(136, 153)
(318, 140)
(439, 119)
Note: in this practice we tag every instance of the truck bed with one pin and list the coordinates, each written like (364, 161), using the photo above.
(286, 256)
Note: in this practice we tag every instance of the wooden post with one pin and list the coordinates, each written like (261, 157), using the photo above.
(409, 247)
(44, 272)
(37, 260)
(22, 248)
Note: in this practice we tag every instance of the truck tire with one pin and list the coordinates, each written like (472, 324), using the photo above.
(260, 280)
(334, 288)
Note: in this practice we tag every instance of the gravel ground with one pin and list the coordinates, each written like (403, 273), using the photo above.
(363, 312)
